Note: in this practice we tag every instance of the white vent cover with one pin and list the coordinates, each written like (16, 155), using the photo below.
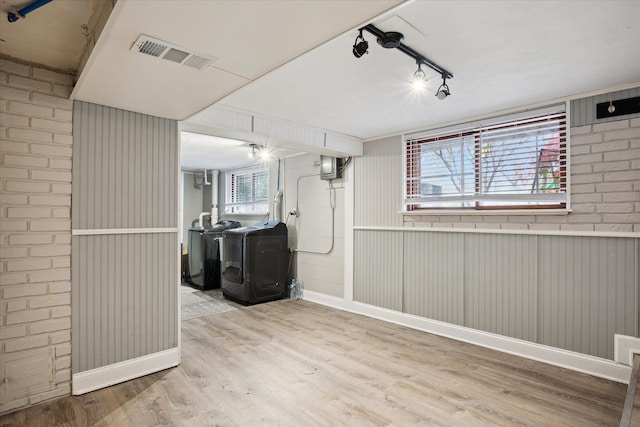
(153, 47)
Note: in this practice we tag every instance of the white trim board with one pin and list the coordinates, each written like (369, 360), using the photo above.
(624, 347)
(488, 212)
(625, 234)
(349, 209)
(591, 365)
(105, 231)
(105, 376)
(328, 300)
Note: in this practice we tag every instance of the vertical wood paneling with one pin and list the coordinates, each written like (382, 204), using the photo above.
(583, 111)
(124, 291)
(500, 284)
(378, 268)
(568, 292)
(377, 178)
(433, 276)
(123, 169)
(586, 292)
(124, 301)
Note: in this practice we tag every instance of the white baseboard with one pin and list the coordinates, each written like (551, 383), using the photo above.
(579, 362)
(624, 347)
(323, 299)
(94, 379)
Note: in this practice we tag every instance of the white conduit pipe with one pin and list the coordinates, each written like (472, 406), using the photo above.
(214, 196)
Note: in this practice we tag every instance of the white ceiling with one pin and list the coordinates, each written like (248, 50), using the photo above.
(292, 60)
(502, 55)
(248, 38)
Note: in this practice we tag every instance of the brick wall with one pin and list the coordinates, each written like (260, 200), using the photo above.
(605, 187)
(35, 235)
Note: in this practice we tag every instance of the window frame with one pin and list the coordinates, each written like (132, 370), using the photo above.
(254, 206)
(413, 199)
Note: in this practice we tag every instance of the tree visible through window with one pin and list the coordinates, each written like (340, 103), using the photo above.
(247, 191)
(507, 165)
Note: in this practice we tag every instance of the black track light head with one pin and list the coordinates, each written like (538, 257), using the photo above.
(443, 90)
(360, 47)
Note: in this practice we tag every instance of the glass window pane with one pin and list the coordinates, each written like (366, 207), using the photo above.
(523, 164)
(447, 168)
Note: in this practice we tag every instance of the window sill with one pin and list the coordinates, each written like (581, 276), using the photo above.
(245, 214)
(492, 212)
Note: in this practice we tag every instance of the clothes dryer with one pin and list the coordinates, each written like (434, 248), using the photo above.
(256, 262)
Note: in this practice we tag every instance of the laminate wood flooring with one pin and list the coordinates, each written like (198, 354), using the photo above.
(290, 363)
(198, 303)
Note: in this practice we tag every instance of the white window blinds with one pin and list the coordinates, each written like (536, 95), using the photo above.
(247, 191)
(505, 165)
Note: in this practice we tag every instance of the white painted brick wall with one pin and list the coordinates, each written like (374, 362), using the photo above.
(605, 186)
(35, 233)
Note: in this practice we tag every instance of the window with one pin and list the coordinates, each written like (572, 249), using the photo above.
(247, 191)
(520, 163)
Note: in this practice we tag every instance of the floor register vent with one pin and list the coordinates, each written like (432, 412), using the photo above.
(160, 49)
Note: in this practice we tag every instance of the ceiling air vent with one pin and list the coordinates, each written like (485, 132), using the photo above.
(153, 47)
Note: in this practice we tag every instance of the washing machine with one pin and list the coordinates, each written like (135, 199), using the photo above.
(204, 255)
(255, 263)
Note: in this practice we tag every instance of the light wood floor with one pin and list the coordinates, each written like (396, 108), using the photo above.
(300, 364)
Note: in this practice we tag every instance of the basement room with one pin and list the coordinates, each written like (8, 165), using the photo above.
(319, 213)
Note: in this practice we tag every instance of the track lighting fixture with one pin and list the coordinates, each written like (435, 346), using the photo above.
(419, 79)
(394, 40)
(443, 90)
(360, 48)
(252, 153)
(612, 108)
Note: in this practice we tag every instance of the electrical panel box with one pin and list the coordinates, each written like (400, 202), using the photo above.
(330, 167)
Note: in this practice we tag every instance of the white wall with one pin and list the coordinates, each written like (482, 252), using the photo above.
(311, 230)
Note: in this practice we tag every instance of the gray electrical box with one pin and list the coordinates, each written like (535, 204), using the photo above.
(330, 167)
